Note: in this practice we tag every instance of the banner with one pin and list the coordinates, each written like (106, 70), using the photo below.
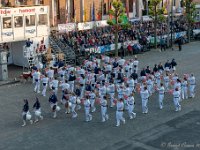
(85, 25)
(63, 28)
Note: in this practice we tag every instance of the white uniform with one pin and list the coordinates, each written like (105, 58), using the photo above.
(150, 86)
(145, 96)
(88, 116)
(131, 84)
(102, 91)
(192, 84)
(120, 112)
(184, 89)
(104, 106)
(158, 80)
(166, 82)
(55, 86)
(161, 93)
(36, 76)
(44, 83)
(131, 104)
(62, 75)
(50, 74)
(120, 92)
(176, 99)
(135, 65)
(64, 86)
(111, 91)
(72, 99)
(92, 101)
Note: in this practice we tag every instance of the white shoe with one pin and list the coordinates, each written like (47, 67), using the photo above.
(124, 121)
(38, 92)
(24, 125)
(31, 121)
(131, 117)
(107, 117)
(41, 117)
(54, 116)
(36, 121)
(134, 115)
(117, 125)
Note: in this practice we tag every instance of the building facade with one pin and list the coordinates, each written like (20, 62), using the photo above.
(64, 11)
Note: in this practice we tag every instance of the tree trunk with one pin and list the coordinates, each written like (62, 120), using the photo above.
(155, 27)
(116, 42)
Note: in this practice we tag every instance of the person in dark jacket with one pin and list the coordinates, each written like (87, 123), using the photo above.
(173, 64)
(25, 113)
(37, 110)
(53, 103)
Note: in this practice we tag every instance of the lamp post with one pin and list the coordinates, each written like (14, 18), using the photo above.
(172, 2)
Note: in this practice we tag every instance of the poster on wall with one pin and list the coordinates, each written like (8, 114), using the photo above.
(42, 25)
(7, 31)
(30, 26)
(18, 27)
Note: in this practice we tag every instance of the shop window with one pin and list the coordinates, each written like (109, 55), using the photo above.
(43, 19)
(7, 22)
(18, 21)
(30, 20)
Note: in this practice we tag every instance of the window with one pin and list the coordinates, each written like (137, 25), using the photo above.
(30, 20)
(131, 6)
(43, 19)
(7, 23)
(18, 21)
(104, 9)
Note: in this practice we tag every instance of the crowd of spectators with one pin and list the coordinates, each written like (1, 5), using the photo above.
(80, 40)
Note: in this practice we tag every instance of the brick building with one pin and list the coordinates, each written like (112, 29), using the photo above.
(62, 11)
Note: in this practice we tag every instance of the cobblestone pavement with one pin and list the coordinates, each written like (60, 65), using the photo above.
(159, 129)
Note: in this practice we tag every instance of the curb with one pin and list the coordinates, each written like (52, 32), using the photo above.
(9, 83)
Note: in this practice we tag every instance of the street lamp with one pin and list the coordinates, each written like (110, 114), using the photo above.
(172, 2)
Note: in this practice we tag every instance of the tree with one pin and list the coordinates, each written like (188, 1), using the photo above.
(117, 20)
(157, 13)
(190, 15)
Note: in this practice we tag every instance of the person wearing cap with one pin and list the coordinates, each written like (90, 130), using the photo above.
(192, 84)
(26, 113)
(131, 105)
(53, 104)
(36, 75)
(102, 90)
(45, 81)
(145, 97)
(104, 106)
(167, 66)
(120, 112)
(161, 94)
(87, 106)
(176, 99)
(37, 110)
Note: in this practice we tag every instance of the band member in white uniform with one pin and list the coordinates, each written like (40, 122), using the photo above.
(120, 112)
(87, 106)
(44, 80)
(131, 105)
(92, 96)
(73, 101)
(192, 84)
(53, 104)
(36, 76)
(161, 93)
(145, 97)
(184, 89)
(50, 74)
(176, 99)
(55, 85)
(104, 107)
